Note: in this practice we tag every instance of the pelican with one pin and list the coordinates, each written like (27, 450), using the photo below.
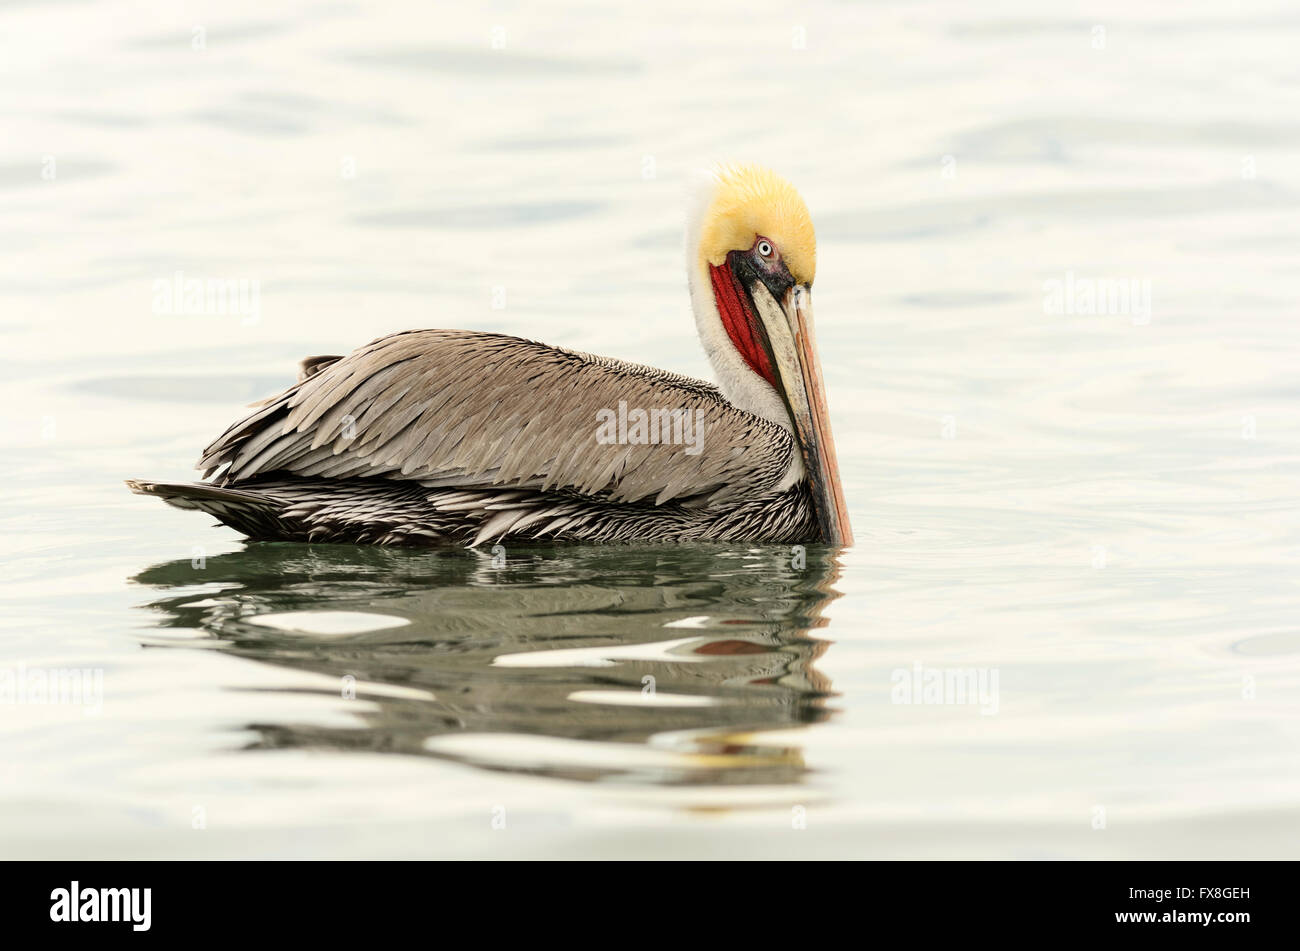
(439, 437)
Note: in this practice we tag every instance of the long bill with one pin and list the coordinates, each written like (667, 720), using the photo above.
(813, 422)
(800, 372)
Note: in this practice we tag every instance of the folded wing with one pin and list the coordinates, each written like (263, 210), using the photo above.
(465, 409)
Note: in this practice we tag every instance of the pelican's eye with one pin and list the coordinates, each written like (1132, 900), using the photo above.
(765, 249)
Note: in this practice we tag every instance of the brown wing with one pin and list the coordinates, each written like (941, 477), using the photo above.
(310, 366)
(465, 409)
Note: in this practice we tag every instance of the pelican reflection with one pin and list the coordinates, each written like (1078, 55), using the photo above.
(656, 665)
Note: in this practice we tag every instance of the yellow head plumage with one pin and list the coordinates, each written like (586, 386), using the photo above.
(750, 201)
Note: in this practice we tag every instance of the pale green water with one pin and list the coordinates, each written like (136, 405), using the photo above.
(1098, 509)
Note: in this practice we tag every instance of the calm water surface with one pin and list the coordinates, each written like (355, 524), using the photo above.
(1096, 510)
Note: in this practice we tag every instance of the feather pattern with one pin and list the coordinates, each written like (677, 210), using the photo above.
(485, 410)
(391, 512)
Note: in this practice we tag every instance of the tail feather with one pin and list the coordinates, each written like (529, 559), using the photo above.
(376, 511)
(256, 514)
(188, 495)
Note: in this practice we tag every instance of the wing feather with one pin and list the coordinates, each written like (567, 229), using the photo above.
(473, 410)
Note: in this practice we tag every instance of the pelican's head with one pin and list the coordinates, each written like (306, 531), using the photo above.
(753, 255)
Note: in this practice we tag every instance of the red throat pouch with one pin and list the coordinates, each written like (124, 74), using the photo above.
(740, 321)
